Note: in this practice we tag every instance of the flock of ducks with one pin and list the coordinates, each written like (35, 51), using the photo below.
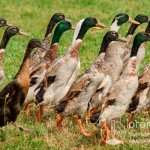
(107, 90)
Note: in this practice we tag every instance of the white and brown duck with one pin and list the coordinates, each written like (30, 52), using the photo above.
(121, 93)
(64, 71)
(38, 55)
(77, 99)
(112, 64)
(38, 74)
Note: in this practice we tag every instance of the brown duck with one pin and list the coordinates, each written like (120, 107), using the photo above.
(13, 95)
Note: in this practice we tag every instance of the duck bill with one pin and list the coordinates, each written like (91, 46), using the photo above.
(122, 39)
(100, 26)
(23, 33)
(133, 21)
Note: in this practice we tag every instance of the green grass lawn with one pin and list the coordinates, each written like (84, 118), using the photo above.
(32, 16)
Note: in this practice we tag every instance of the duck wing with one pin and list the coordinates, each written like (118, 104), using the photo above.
(77, 87)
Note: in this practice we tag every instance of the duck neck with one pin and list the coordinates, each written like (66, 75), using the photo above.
(74, 49)
(129, 39)
(4, 41)
(131, 68)
(51, 54)
(104, 46)
(135, 48)
(24, 68)
(132, 29)
(115, 26)
(50, 27)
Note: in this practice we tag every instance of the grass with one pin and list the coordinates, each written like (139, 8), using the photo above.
(32, 16)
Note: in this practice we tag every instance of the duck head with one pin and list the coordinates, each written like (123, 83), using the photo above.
(141, 18)
(140, 38)
(109, 37)
(9, 32)
(57, 17)
(60, 29)
(84, 25)
(119, 20)
(3, 22)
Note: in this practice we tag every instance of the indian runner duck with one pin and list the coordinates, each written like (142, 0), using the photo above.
(112, 65)
(77, 99)
(127, 50)
(36, 57)
(12, 96)
(63, 72)
(9, 32)
(38, 73)
(121, 93)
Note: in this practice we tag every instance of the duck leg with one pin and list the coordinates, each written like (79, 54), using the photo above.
(106, 139)
(79, 122)
(39, 114)
(106, 132)
(131, 118)
(27, 109)
(59, 122)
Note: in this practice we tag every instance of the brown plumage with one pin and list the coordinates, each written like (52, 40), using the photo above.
(13, 95)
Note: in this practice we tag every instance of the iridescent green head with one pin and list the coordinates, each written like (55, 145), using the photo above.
(60, 29)
(84, 25)
(138, 40)
(122, 18)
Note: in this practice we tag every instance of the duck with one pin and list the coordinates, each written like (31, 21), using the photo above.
(9, 32)
(77, 99)
(119, 97)
(112, 64)
(127, 51)
(64, 71)
(12, 96)
(141, 18)
(141, 99)
(37, 56)
(37, 74)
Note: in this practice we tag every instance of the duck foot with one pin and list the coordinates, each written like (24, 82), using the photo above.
(39, 114)
(59, 122)
(106, 133)
(79, 122)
